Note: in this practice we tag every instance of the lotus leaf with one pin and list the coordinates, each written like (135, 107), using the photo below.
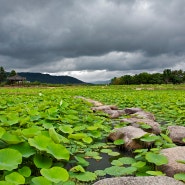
(77, 136)
(25, 171)
(157, 159)
(87, 140)
(58, 151)
(66, 129)
(31, 132)
(41, 181)
(15, 178)
(24, 148)
(41, 161)
(9, 159)
(155, 173)
(180, 176)
(2, 131)
(119, 142)
(40, 142)
(54, 135)
(84, 176)
(11, 138)
(82, 161)
(78, 168)
(55, 174)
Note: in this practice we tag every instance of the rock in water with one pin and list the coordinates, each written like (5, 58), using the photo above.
(161, 180)
(174, 155)
(130, 135)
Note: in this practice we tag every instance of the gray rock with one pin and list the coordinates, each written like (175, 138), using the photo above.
(105, 107)
(177, 133)
(155, 127)
(150, 180)
(173, 154)
(132, 110)
(143, 115)
(130, 135)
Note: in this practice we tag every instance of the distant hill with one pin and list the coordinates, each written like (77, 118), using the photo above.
(101, 82)
(46, 78)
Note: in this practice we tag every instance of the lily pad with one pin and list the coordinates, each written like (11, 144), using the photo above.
(41, 161)
(9, 159)
(157, 159)
(25, 171)
(55, 174)
(15, 178)
(40, 181)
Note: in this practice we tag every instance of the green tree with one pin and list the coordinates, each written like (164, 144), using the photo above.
(12, 73)
(2, 74)
(167, 75)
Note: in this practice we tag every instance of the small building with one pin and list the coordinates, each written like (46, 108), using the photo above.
(16, 79)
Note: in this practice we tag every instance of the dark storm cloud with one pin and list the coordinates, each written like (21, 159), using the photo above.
(70, 35)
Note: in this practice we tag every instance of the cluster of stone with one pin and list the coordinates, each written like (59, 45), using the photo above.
(131, 134)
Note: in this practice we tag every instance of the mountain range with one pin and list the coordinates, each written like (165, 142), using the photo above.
(47, 78)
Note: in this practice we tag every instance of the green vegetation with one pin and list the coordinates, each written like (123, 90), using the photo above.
(47, 136)
(168, 76)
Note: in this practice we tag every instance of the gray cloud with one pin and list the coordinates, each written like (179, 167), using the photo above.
(62, 36)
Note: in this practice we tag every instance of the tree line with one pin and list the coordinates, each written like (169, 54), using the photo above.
(4, 75)
(168, 76)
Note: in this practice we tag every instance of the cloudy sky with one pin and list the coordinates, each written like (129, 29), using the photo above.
(92, 39)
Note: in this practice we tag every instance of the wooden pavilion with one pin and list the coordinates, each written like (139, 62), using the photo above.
(16, 79)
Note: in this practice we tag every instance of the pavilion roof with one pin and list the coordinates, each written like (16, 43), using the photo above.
(16, 78)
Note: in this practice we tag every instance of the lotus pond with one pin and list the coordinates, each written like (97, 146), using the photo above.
(47, 136)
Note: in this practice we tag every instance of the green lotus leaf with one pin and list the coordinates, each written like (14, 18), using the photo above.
(119, 142)
(180, 176)
(11, 138)
(77, 136)
(120, 171)
(139, 164)
(41, 181)
(117, 163)
(2, 131)
(25, 171)
(87, 140)
(91, 154)
(24, 148)
(127, 160)
(41, 161)
(12, 119)
(58, 151)
(82, 161)
(113, 153)
(15, 178)
(66, 129)
(85, 177)
(9, 159)
(77, 168)
(55, 174)
(31, 132)
(54, 135)
(69, 183)
(105, 150)
(100, 173)
(149, 138)
(6, 183)
(165, 137)
(157, 159)
(155, 173)
(40, 142)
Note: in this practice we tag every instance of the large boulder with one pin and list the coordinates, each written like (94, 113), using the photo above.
(137, 122)
(132, 110)
(131, 137)
(177, 133)
(143, 115)
(174, 155)
(150, 180)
